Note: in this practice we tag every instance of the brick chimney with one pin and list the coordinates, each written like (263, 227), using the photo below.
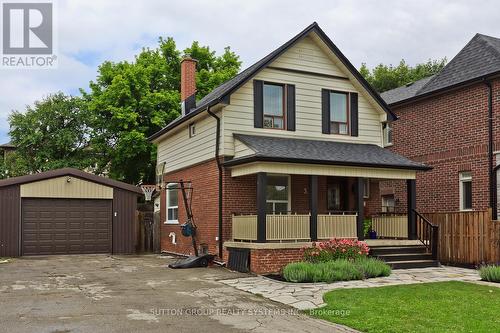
(188, 77)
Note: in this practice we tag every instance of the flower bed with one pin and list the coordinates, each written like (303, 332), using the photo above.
(335, 260)
(334, 249)
(336, 270)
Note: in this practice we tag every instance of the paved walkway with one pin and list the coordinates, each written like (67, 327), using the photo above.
(310, 295)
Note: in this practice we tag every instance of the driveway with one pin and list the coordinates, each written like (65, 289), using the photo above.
(101, 293)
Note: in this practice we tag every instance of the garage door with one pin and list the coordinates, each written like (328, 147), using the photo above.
(66, 226)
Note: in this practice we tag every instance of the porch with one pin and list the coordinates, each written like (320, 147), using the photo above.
(304, 208)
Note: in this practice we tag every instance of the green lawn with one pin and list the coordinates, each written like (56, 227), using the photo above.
(430, 307)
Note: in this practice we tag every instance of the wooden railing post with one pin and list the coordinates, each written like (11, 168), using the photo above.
(411, 189)
(435, 240)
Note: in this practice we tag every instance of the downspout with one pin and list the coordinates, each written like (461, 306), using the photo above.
(219, 166)
(491, 169)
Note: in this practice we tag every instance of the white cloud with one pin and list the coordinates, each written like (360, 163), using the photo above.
(366, 31)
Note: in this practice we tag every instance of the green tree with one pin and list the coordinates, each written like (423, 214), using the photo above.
(130, 101)
(384, 77)
(53, 133)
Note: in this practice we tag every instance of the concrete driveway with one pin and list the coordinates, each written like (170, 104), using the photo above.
(101, 293)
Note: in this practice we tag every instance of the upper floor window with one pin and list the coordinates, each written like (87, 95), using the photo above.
(339, 113)
(465, 190)
(387, 130)
(274, 106)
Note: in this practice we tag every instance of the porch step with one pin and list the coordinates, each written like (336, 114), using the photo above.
(404, 257)
(381, 250)
(413, 264)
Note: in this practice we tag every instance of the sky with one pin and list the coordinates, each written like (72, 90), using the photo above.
(372, 32)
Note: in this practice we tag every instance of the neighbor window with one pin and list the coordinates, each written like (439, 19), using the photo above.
(277, 194)
(274, 106)
(465, 191)
(192, 130)
(388, 203)
(172, 204)
(339, 113)
(387, 129)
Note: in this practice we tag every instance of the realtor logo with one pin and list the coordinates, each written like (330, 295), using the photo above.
(27, 35)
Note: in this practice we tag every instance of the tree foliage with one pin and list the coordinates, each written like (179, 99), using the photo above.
(387, 77)
(51, 134)
(106, 130)
(132, 100)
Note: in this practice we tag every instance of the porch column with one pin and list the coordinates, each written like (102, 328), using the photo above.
(360, 207)
(313, 205)
(261, 206)
(411, 190)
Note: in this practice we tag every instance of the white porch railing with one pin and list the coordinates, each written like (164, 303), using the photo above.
(287, 227)
(337, 226)
(244, 227)
(392, 226)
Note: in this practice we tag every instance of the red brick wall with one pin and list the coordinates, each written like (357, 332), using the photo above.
(450, 133)
(272, 261)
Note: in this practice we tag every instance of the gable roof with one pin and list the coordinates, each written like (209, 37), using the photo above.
(276, 149)
(8, 145)
(478, 59)
(69, 172)
(220, 93)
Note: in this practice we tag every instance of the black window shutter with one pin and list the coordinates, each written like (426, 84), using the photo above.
(325, 111)
(354, 114)
(290, 107)
(258, 104)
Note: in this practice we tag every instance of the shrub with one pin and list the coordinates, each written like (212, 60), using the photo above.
(372, 267)
(337, 270)
(490, 273)
(334, 249)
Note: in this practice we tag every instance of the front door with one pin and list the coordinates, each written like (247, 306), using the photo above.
(337, 194)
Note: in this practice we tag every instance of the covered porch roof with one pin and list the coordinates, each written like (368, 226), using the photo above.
(302, 156)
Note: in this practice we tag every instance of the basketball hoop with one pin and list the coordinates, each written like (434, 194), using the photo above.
(148, 191)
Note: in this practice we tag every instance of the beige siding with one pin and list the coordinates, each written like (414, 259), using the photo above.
(240, 149)
(306, 55)
(178, 150)
(60, 188)
(321, 170)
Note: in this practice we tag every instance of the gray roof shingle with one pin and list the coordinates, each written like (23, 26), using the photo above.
(480, 57)
(321, 152)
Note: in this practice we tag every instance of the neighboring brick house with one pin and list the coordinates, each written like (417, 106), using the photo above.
(6, 149)
(444, 122)
(279, 156)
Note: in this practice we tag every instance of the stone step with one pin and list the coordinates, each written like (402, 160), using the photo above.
(413, 264)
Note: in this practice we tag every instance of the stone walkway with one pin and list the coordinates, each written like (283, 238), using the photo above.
(310, 295)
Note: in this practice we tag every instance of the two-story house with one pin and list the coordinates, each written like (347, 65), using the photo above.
(279, 156)
(450, 121)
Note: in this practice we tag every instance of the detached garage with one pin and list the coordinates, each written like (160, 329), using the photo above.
(66, 211)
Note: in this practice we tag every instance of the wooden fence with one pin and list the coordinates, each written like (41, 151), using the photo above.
(467, 238)
(148, 231)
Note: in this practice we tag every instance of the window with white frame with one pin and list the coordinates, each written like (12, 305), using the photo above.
(387, 130)
(277, 194)
(465, 179)
(388, 203)
(172, 204)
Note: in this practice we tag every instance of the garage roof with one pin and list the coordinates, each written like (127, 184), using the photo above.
(69, 172)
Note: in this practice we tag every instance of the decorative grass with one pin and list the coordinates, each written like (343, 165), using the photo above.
(441, 307)
(490, 273)
(336, 270)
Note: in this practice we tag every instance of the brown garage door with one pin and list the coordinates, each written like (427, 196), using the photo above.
(66, 226)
